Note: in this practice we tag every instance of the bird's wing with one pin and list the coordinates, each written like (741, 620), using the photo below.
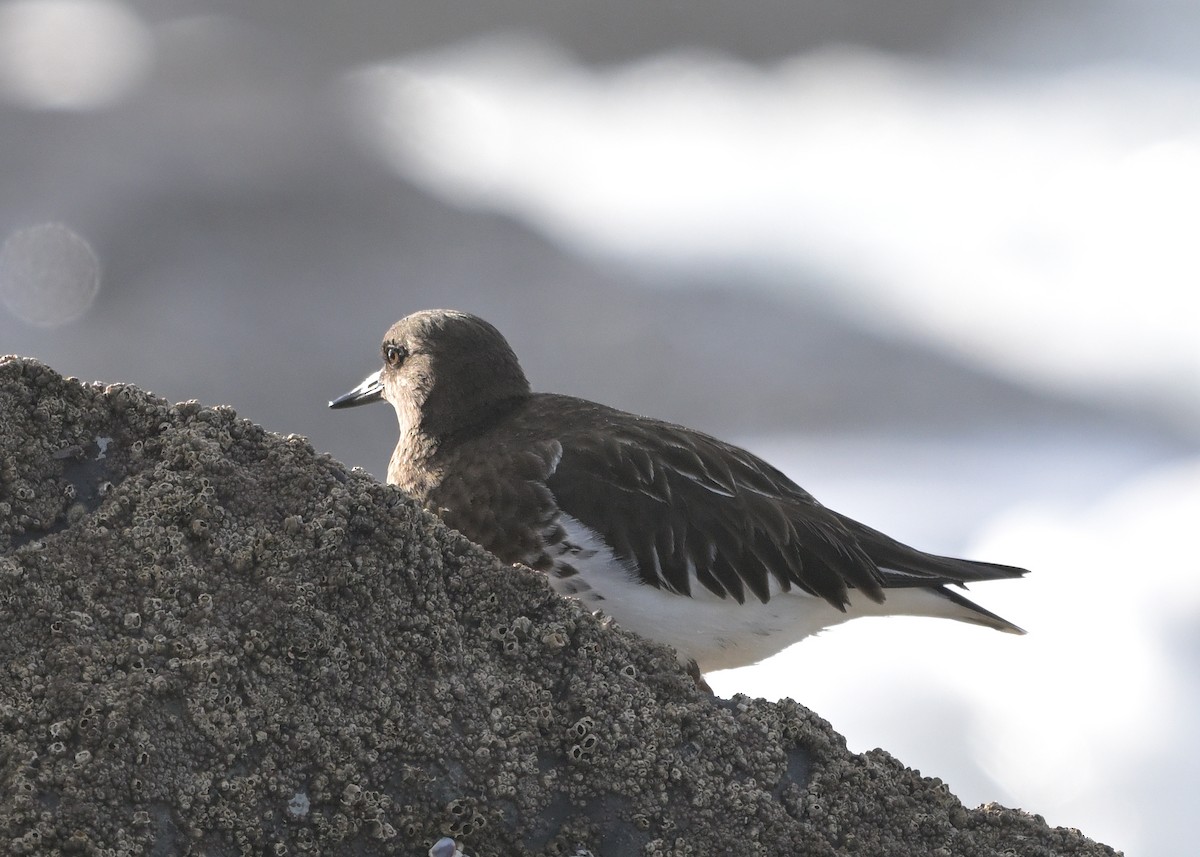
(902, 566)
(688, 511)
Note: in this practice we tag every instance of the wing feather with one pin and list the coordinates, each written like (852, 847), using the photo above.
(691, 511)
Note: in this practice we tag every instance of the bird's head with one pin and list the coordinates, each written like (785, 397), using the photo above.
(442, 371)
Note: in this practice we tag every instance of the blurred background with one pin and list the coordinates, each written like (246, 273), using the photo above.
(937, 260)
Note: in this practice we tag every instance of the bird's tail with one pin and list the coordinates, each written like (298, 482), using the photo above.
(934, 601)
(971, 612)
(903, 569)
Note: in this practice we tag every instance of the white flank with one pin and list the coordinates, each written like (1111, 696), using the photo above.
(718, 633)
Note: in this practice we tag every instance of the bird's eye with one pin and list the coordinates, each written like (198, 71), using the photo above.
(393, 355)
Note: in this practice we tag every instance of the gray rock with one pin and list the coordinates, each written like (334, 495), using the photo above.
(216, 641)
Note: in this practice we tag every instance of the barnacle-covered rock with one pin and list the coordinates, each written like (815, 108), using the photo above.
(216, 641)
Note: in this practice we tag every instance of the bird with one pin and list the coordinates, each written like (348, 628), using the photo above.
(674, 534)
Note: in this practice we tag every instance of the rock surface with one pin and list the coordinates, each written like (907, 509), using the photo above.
(216, 641)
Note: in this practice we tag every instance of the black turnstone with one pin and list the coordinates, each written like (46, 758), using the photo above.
(674, 534)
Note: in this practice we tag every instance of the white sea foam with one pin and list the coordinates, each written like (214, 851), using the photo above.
(1043, 226)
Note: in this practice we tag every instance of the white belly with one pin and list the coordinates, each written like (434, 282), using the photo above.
(718, 633)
